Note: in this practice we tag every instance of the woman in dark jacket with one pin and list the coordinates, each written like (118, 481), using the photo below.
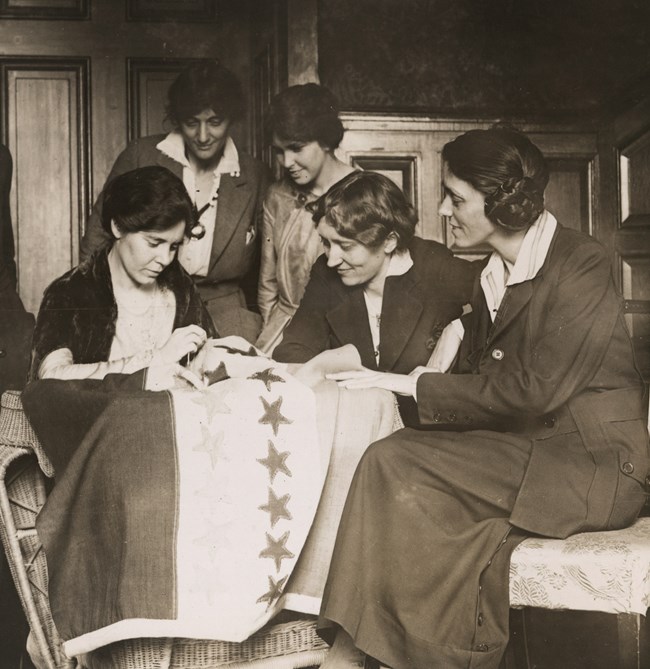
(377, 286)
(540, 431)
(131, 305)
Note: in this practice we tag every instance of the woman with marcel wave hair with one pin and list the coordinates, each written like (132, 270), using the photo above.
(539, 430)
(377, 286)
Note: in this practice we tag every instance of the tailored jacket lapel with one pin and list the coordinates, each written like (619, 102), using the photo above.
(349, 323)
(515, 299)
(234, 195)
(165, 161)
(400, 312)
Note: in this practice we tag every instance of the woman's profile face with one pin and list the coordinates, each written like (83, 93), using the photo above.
(302, 160)
(144, 255)
(465, 208)
(205, 136)
(356, 264)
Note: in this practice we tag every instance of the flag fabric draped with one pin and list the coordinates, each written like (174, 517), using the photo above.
(178, 513)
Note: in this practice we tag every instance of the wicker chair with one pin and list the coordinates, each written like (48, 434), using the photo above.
(23, 489)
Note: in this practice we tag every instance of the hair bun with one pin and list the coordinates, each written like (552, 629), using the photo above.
(515, 204)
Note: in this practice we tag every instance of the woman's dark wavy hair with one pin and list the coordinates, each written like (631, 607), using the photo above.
(306, 113)
(507, 168)
(147, 198)
(205, 84)
(367, 207)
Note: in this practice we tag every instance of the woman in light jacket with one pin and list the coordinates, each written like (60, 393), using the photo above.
(306, 131)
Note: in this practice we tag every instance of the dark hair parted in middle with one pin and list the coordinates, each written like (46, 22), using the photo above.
(367, 207)
(205, 84)
(507, 168)
(306, 113)
(147, 198)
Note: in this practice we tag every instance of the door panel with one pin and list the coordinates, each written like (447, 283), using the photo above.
(73, 93)
(633, 239)
(47, 111)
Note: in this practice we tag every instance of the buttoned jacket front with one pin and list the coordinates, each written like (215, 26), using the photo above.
(555, 366)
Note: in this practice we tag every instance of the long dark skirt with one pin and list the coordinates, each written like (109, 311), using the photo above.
(419, 576)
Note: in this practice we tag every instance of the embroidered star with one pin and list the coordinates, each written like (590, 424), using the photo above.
(275, 590)
(276, 507)
(276, 549)
(275, 461)
(272, 415)
(210, 444)
(216, 404)
(218, 374)
(267, 377)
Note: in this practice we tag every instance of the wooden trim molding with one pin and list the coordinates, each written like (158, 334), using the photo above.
(45, 9)
(148, 80)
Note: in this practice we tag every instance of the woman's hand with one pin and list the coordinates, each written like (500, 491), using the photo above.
(368, 378)
(182, 342)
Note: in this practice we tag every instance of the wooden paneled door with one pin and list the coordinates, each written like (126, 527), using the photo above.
(76, 83)
(626, 147)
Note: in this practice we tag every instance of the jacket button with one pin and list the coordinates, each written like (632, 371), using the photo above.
(549, 421)
(479, 620)
(437, 417)
(452, 417)
(3, 353)
(627, 467)
(481, 648)
(497, 354)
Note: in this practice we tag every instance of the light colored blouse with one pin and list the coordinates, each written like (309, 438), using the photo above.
(138, 336)
(194, 254)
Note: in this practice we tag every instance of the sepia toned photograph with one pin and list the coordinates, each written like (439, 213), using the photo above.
(324, 334)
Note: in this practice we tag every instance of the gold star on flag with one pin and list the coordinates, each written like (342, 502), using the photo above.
(218, 374)
(275, 590)
(267, 377)
(276, 507)
(277, 549)
(275, 461)
(272, 415)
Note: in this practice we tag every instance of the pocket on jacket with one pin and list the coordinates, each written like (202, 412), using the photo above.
(629, 500)
(630, 439)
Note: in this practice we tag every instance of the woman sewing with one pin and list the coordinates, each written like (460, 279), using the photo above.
(225, 185)
(130, 305)
(540, 430)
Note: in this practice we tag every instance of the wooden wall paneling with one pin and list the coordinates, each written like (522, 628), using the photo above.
(45, 9)
(568, 194)
(633, 241)
(148, 80)
(419, 140)
(263, 90)
(45, 126)
(269, 53)
(402, 170)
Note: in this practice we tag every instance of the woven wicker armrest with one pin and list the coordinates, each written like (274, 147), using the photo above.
(16, 431)
(22, 494)
(23, 464)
